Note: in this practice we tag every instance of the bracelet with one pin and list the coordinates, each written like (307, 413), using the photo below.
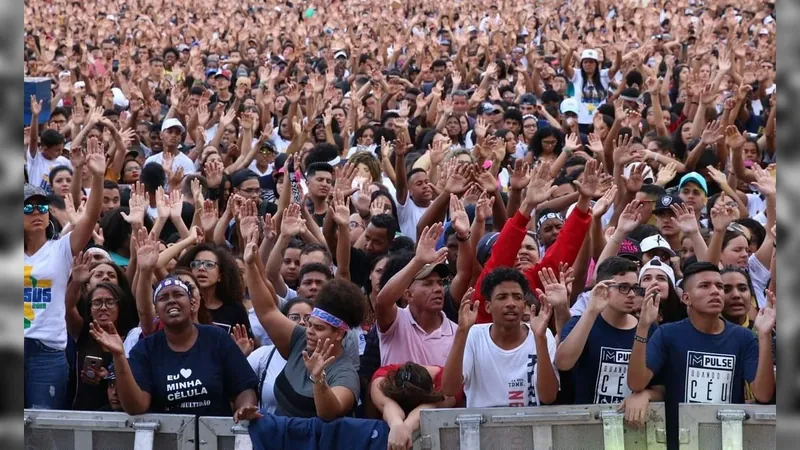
(638, 338)
(464, 239)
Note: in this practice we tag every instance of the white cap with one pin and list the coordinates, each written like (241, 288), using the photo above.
(590, 54)
(119, 98)
(647, 175)
(655, 241)
(471, 28)
(171, 123)
(570, 104)
(657, 264)
(340, 53)
(764, 31)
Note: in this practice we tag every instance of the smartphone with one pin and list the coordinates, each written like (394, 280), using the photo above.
(115, 66)
(92, 365)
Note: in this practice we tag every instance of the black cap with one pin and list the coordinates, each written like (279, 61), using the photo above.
(667, 200)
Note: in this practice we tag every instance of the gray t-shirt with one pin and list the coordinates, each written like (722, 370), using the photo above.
(293, 388)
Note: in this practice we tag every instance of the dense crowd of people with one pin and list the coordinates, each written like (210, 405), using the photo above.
(355, 209)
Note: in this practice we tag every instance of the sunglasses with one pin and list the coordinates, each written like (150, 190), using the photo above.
(204, 263)
(29, 208)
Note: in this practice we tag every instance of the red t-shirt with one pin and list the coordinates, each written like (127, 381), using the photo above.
(437, 381)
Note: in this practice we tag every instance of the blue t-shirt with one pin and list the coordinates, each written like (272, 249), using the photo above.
(701, 368)
(601, 372)
(201, 381)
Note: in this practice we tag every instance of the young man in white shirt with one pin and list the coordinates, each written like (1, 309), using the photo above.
(506, 362)
(171, 132)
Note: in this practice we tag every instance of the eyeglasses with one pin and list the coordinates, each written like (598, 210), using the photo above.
(29, 208)
(110, 303)
(549, 143)
(297, 318)
(625, 288)
(204, 263)
(251, 191)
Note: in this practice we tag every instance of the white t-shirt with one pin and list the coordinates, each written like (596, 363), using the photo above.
(180, 160)
(131, 340)
(46, 274)
(258, 361)
(409, 215)
(760, 276)
(497, 377)
(39, 168)
(587, 107)
(757, 208)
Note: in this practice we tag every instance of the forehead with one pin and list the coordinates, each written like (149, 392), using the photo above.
(247, 184)
(175, 291)
(102, 292)
(629, 277)
(314, 276)
(300, 308)
(655, 273)
(507, 287)
(206, 255)
(418, 177)
(707, 277)
(550, 223)
(375, 233)
(733, 277)
(103, 268)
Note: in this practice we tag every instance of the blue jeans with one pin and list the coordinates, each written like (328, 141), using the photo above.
(46, 376)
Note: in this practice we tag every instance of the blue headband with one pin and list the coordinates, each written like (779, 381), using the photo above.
(167, 282)
(330, 319)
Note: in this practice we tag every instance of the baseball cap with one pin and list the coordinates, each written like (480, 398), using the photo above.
(590, 54)
(666, 201)
(527, 99)
(172, 123)
(647, 175)
(570, 105)
(485, 245)
(31, 191)
(441, 269)
(223, 73)
(696, 178)
(655, 241)
(487, 107)
(183, 48)
(630, 94)
(657, 264)
(764, 31)
(471, 28)
(340, 54)
(630, 249)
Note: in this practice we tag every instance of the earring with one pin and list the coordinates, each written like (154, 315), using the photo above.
(51, 224)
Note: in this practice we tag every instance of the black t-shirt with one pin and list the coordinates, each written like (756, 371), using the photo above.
(360, 263)
(201, 381)
(90, 397)
(230, 314)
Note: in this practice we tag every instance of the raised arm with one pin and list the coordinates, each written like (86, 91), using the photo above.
(146, 248)
(571, 346)
(96, 163)
(279, 327)
(291, 226)
(453, 376)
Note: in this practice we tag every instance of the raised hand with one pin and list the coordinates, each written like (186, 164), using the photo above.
(248, 220)
(572, 143)
(764, 181)
(162, 206)
(426, 245)
(652, 299)
(209, 216)
(319, 359)
(483, 208)
(520, 175)
(458, 217)
(722, 214)
(622, 150)
(591, 178)
(685, 218)
(243, 341)
(214, 171)
(341, 208)
(109, 340)
(468, 311)
(635, 180)
(541, 319)
(555, 288)
(293, 222)
(666, 174)
(137, 205)
(95, 158)
(540, 187)
(458, 181)
(80, 267)
(601, 206)
(711, 133)
(733, 138)
(595, 144)
(630, 217)
(146, 248)
(36, 106)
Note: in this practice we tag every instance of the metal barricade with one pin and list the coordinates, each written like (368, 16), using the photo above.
(728, 427)
(585, 427)
(107, 430)
(220, 433)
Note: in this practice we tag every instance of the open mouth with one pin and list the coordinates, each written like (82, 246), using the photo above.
(173, 311)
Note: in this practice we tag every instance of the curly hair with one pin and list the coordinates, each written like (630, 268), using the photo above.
(410, 385)
(501, 275)
(344, 300)
(229, 288)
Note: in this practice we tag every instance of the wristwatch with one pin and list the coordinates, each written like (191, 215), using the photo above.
(323, 378)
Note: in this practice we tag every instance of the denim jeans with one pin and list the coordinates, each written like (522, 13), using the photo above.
(46, 376)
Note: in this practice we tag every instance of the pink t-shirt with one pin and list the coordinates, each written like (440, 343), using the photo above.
(406, 341)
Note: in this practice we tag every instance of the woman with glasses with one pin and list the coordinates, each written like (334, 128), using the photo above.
(267, 363)
(220, 285)
(530, 125)
(47, 264)
(546, 145)
(107, 306)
